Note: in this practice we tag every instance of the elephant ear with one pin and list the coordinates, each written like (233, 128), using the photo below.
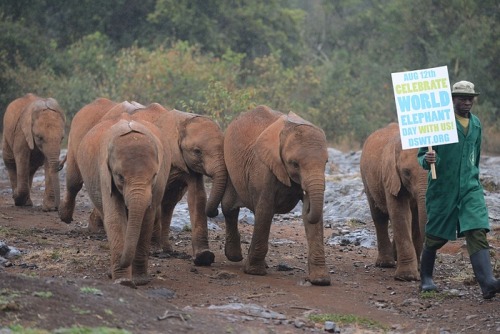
(183, 120)
(52, 104)
(390, 173)
(294, 118)
(267, 148)
(105, 172)
(26, 121)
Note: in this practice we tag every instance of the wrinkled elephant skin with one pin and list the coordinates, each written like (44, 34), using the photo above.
(395, 186)
(196, 146)
(274, 160)
(33, 132)
(125, 181)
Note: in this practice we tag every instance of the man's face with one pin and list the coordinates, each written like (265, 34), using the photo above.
(463, 105)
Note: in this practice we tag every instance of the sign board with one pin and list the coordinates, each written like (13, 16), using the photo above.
(424, 106)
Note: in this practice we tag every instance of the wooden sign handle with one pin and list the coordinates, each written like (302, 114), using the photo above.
(433, 166)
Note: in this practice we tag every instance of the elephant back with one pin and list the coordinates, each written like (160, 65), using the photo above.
(247, 127)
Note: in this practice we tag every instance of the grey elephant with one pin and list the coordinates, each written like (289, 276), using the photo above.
(274, 160)
(395, 187)
(125, 179)
(33, 129)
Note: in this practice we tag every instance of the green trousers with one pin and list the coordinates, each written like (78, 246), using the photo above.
(475, 239)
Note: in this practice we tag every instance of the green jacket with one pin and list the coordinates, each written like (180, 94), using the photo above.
(455, 200)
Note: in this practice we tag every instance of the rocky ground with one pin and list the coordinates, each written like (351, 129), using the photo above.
(55, 276)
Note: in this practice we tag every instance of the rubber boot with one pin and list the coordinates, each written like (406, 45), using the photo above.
(484, 273)
(426, 269)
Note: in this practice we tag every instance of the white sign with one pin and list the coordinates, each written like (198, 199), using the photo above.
(425, 108)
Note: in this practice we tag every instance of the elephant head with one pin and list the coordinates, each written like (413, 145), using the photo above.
(133, 159)
(42, 123)
(201, 145)
(296, 151)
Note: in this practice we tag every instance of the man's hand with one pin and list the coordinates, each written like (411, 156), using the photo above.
(430, 157)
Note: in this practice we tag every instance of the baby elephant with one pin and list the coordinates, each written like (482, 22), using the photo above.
(395, 187)
(124, 167)
(274, 161)
(33, 128)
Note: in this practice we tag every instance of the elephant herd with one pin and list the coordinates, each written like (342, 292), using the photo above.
(137, 162)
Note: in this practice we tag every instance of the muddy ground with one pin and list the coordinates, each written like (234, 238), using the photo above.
(60, 280)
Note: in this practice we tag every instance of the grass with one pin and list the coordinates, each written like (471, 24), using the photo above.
(7, 300)
(43, 294)
(437, 295)
(80, 311)
(348, 319)
(91, 291)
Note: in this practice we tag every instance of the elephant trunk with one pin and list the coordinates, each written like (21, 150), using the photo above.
(313, 200)
(137, 206)
(422, 211)
(219, 179)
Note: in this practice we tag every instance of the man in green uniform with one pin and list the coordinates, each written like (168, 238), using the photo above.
(454, 201)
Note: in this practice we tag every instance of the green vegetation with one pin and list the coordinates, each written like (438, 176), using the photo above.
(7, 300)
(437, 295)
(347, 319)
(42, 294)
(90, 290)
(328, 61)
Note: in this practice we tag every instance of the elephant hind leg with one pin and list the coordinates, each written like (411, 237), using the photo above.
(386, 257)
(259, 246)
(74, 184)
(232, 247)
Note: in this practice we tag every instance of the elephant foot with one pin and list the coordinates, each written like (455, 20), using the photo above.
(204, 258)
(65, 215)
(155, 248)
(125, 282)
(49, 208)
(96, 225)
(406, 275)
(320, 281)
(256, 268)
(23, 201)
(233, 254)
(167, 247)
(383, 263)
(142, 280)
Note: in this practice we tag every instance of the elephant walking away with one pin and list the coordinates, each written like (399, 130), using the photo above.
(395, 186)
(33, 129)
(274, 160)
(125, 180)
